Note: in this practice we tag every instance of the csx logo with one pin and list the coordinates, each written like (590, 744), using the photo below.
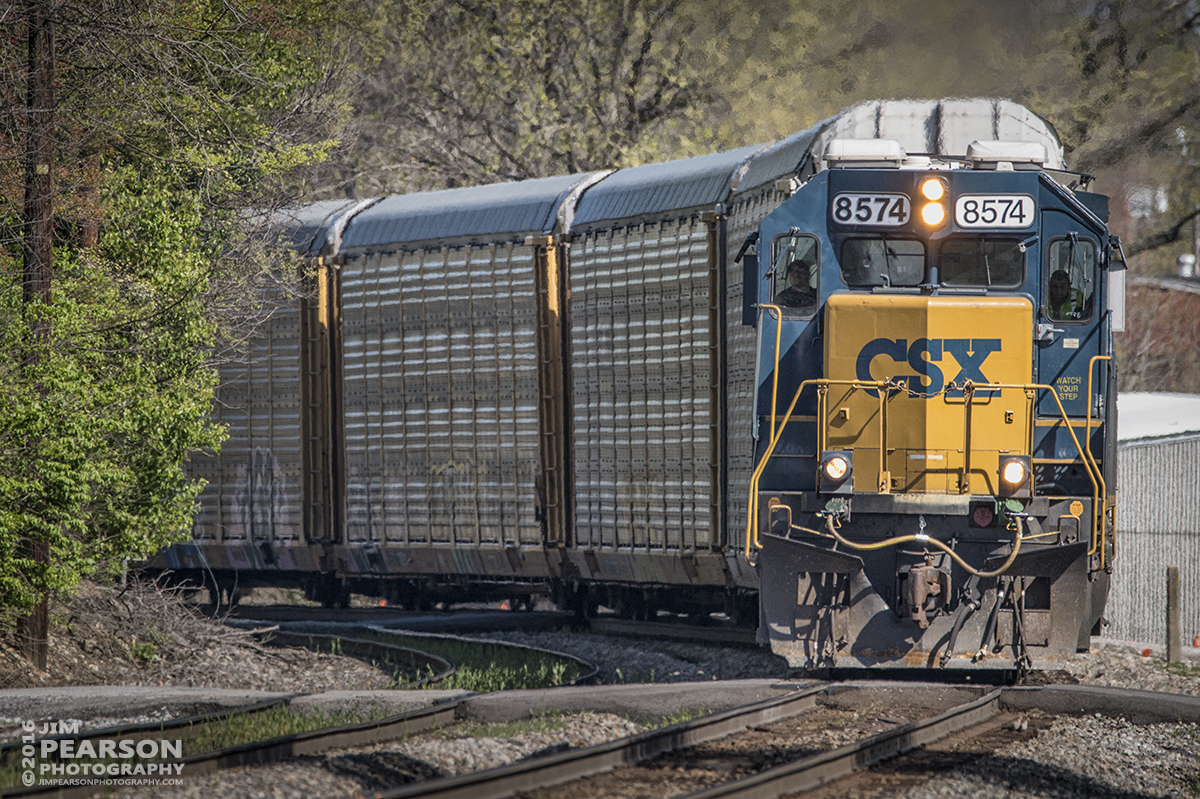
(970, 353)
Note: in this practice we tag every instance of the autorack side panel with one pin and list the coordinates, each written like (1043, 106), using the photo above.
(639, 317)
(253, 491)
(440, 387)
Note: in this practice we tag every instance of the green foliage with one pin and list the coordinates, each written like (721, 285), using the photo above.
(273, 722)
(172, 119)
(97, 419)
(143, 652)
(483, 666)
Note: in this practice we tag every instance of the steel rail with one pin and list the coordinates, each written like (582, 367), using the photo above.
(182, 728)
(525, 775)
(188, 727)
(280, 748)
(727, 636)
(304, 743)
(816, 770)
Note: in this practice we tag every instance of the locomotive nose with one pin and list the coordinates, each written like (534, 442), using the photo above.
(956, 404)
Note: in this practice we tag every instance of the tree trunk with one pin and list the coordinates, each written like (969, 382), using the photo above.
(38, 246)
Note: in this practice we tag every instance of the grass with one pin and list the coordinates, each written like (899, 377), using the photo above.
(541, 723)
(1181, 669)
(682, 715)
(273, 723)
(485, 666)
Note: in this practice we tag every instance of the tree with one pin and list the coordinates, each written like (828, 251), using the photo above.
(481, 91)
(169, 120)
(94, 430)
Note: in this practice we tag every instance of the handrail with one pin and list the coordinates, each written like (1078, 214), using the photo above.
(751, 529)
(968, 386)
(1098, 532)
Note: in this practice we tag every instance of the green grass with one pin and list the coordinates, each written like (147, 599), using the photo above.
(1181, 669)
(682, 715)
(485, 666)
(273, 723)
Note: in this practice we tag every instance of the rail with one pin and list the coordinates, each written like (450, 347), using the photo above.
(884, 388)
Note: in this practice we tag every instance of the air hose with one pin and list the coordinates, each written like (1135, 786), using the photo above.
(927, 541)
(969, 607)
(991, 624)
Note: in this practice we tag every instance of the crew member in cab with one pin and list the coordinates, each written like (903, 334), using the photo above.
(1064, 302)
(799, 292)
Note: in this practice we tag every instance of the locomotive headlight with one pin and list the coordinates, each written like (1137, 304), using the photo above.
(933, 214)
(1014, 473)
(1014, 476)
(836, 468)
(933, 189)
(834, 476)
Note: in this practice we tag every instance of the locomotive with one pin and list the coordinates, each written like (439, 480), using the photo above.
(854, 386)
(935, 470)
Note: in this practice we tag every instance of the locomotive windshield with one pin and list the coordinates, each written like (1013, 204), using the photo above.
(981, 261)
(868, 262)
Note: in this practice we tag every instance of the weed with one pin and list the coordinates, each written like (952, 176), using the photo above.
(1180, 669)
(541, 723)
(682, 715)
(273, 723)
(483, 666)
(143, 652)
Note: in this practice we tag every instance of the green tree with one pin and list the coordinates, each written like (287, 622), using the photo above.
(100, 416)
(168, 120)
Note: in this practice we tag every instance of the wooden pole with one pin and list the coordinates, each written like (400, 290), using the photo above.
(37, 247)
(1174, 624)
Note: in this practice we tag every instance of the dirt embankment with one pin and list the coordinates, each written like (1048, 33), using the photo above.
(141, 634)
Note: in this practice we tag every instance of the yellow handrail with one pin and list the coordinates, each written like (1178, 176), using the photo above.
(751, 529)
(752, 541)
(1098, 533)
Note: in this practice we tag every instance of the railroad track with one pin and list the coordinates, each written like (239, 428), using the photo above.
(800, 742)
(783, 746)
(403, 660)
(474, 621)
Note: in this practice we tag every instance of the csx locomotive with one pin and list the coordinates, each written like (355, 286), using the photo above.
(855, 386)
(934, 471)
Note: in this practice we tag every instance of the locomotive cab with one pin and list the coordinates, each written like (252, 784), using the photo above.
(935, 408)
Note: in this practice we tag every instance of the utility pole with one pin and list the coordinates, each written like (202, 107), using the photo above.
(37, 247)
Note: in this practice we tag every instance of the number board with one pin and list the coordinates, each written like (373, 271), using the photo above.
(994, 211)
(877, 210)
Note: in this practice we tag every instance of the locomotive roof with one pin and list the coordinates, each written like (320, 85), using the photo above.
(510, 211)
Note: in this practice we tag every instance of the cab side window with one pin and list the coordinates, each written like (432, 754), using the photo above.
(1070, 280)
(795, 274)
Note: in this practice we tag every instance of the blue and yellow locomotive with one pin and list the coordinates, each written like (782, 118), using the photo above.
(936, 413)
